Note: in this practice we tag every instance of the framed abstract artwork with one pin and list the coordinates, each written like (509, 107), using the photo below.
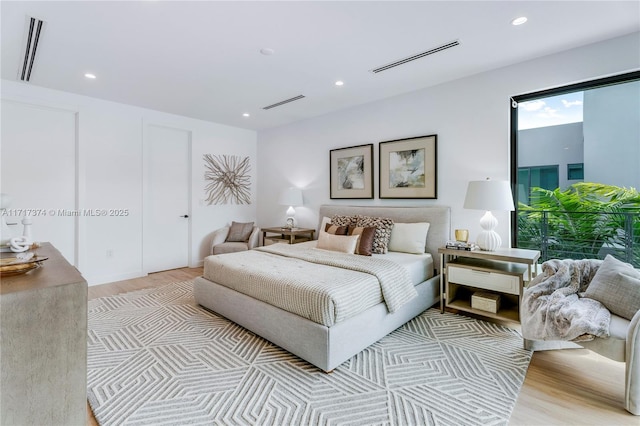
(408, 168)
(351, 172)
(227, 179)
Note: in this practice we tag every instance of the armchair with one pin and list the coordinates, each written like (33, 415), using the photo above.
(234, 238)
(552, 306)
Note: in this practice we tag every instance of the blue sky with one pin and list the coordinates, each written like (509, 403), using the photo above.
(550, 111)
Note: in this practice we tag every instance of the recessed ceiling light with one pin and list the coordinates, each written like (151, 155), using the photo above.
(246, 114)
(519, 21)
(339, 83)
(267, 51)
(89, 75)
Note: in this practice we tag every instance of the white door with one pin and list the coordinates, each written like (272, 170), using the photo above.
(39, 173)
(166, 227)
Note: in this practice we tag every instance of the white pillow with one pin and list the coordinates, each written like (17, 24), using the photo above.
(409, 237)
(616, 285)
(340, 243)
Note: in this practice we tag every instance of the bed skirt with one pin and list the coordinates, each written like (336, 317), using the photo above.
(324, 347)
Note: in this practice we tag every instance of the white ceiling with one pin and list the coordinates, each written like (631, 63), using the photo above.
(202, 59)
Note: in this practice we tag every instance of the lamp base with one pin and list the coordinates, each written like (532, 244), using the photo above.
(291, 222)
(488, 240)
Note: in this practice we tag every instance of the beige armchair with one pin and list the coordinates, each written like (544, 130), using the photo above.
(234, 238)
(623, 343)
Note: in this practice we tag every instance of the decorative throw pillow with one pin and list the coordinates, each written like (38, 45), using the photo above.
(335, 229)
(323, 223)
(617, 286)
(343, 220)
(340, 243)
(365, 242)
(383, 231)
(409, 237)
(240, 232)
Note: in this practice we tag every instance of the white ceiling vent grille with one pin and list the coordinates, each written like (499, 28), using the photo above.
(33, 33)
(286, 101)
(416, 56)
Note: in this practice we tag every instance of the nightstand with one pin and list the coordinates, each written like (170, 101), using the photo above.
(286, 235)
(503, 273)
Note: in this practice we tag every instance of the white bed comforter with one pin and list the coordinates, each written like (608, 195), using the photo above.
(323, 286)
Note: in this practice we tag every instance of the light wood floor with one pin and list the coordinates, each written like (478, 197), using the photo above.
(562, 387)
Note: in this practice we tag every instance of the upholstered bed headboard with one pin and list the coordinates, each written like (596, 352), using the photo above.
(439, 218)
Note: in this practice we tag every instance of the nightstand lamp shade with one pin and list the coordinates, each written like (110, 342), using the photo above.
(291, 197)
(489, 195)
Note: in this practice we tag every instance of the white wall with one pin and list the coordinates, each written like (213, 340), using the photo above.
(470, 117)
(109, 164)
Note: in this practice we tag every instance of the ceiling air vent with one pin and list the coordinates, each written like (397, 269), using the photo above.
(31, 46)
(416, 56)
(286, 101)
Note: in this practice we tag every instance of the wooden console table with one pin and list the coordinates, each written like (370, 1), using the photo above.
(43, 335)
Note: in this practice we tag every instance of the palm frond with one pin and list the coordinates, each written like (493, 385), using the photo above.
(584, 220)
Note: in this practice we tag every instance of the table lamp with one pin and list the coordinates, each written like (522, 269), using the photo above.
(291, 197)
(489, 195)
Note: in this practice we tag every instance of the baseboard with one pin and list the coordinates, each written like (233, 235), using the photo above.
(198, 264)
(105, 279)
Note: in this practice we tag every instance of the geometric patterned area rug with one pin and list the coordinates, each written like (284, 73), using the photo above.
(156, 357)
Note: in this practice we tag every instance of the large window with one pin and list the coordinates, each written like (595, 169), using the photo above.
(536, 177)
(575, 168)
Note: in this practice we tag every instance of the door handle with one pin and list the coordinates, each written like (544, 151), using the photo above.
(185, 216)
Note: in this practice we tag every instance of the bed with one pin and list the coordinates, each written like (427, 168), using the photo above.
(328, 346)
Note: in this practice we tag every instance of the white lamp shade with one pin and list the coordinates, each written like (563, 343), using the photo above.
(489, 195)
(291, 197)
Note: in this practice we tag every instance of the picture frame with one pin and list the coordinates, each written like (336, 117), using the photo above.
(408, 168)
(351, 172)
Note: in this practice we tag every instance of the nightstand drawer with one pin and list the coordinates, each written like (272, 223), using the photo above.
(484, 279)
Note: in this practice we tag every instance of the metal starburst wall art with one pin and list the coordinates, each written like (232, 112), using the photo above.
(227, 179)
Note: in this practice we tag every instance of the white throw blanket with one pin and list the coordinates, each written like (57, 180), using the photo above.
(394, 280)
(552, 306)
(323, 286)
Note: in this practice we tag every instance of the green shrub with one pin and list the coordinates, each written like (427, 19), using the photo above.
(587, 220)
